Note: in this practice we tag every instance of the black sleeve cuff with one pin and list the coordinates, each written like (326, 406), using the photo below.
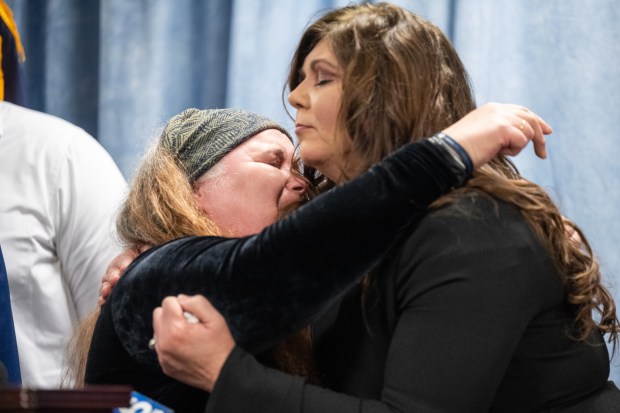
(245, 385)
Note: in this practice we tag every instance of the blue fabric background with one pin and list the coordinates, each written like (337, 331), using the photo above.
(120, 68)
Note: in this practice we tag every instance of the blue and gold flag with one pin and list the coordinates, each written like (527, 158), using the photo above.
(11, 55)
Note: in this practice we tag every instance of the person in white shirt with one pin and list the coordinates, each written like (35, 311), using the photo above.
(59, 191)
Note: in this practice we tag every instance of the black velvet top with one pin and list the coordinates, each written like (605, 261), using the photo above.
(271, 284)
(466, 315)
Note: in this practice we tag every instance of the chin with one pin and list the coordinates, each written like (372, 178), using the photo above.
(316, 162)
(311, 156)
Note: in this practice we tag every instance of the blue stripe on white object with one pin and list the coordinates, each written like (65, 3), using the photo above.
(139, 403)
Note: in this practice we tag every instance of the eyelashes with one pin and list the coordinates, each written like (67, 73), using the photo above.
(275, 159)
(322, 78)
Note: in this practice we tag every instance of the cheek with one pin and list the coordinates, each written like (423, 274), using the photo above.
(217, 194)
(259, 186)
(214, 206)
(260, 201)
(328, 131)
(327, 114)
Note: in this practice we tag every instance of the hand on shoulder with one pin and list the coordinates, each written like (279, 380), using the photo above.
(499, 128)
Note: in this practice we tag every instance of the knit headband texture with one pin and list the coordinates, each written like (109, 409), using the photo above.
(201, 138)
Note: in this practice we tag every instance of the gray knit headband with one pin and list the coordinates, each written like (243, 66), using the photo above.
(201, 138)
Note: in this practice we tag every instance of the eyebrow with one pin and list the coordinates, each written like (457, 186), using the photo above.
(315, 62)
(277, 152)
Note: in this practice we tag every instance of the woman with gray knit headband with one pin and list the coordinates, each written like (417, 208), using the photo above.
(184, 187)
(228, 172)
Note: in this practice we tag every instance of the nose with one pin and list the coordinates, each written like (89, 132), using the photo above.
(293, 194)
(296, 97)
(296, 185)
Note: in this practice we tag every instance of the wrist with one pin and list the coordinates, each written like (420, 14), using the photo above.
(455, 156)
(219, 360)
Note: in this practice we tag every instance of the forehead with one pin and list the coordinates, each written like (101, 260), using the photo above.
(322, 52)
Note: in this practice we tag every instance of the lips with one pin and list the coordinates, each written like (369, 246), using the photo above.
(300, 128)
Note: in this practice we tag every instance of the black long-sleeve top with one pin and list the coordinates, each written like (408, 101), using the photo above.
(271, 284)
(466, 315)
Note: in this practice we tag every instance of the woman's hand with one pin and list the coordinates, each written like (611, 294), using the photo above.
(191, 352)
(116, 268)
(499, 128)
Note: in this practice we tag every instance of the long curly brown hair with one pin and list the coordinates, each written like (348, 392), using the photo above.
(403, 81)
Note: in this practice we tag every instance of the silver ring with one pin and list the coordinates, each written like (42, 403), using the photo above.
(152, 343)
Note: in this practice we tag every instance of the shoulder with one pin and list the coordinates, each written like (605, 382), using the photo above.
(47, 134)
(30, 124)
(474, 216)
(50, 142)
(178, 266)
(477, 241)
(169, 269)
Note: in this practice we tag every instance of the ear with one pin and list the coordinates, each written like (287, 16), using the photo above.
(200, 196)
(197, 192)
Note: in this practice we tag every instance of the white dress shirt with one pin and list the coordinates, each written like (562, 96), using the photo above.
(59, 192)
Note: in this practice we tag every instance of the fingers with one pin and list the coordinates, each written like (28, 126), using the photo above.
(191, 353)
(109, 281)
(540, 144)
(115, 269)
(546, 128)
(143, 247)
(174, 309)
(114, 279)
(158, 313)
(529, 127)
(171, 303)
(104, 293)
(167, 319)
(199, 306)
(171, 309)
(535, 131)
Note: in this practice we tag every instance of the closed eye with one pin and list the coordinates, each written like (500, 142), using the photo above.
(323, 78)
(274, 158)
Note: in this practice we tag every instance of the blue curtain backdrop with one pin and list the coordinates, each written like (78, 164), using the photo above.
(120, 68)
